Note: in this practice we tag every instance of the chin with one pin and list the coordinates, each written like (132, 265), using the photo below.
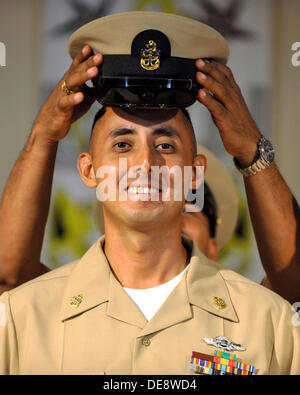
(143, 212)
(150, 213)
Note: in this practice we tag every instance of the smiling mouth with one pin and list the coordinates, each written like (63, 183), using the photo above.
(142, 190)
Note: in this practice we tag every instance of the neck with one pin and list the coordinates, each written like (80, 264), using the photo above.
(145, 259)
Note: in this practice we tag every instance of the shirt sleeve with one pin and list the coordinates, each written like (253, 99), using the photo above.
(8, 339)
(285, 358)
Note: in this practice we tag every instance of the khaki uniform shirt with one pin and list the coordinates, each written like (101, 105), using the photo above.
(79, 320)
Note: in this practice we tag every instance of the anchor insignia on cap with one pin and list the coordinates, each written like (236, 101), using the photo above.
(224, 343)
(150, 56)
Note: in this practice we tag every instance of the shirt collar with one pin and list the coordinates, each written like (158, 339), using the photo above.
(90, 279)
(92, 283)
(205, 283)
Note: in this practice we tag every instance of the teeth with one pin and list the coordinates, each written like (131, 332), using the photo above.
(142, 190)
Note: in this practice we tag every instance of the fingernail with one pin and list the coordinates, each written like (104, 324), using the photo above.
(202, 76)
(97, 58)
(201, 63)
(77, 96)
(85, 50)
(202, 93)
(91, 71)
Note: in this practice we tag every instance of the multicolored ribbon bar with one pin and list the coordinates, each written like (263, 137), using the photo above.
(199, 355)
(226, 355)
(221, 363)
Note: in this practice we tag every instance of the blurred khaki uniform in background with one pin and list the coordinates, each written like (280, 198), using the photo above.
(79, 320)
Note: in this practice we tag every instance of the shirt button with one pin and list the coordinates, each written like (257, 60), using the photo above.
(146, 341)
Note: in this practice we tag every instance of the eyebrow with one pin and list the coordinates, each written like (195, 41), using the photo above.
(165, 131)
(160, 131)
(121, 132)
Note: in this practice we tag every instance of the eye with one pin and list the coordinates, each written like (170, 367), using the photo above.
(166, 147)
(122, 146)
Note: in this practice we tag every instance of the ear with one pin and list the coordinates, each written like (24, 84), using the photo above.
(199, 169)
(86, 170)
(213, 250)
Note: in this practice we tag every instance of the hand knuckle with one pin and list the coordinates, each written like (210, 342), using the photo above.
(222, 110)
(59, 105)
(229, 73)
(223, 91)
(223, 78)
(208, 66)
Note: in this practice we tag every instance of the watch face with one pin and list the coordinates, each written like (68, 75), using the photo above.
(267, 151)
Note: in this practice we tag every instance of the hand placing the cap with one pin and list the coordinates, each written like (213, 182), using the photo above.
(66, 105)
(223, 98)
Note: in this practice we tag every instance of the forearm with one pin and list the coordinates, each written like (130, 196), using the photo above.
(275, 219)
(25, 203)
(24, 210)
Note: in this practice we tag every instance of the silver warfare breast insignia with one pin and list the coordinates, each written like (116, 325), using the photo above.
(223, 343)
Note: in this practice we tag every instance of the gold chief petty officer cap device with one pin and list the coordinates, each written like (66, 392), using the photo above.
(148, 57)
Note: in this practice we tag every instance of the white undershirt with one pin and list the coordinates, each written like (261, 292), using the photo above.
(149, 300)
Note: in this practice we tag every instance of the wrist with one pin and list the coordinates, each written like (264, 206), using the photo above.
(263, 159)
(40, 141)
(250, 156)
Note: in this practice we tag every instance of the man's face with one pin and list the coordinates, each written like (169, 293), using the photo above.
(145, 139)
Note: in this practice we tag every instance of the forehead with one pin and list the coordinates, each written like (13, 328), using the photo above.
(117, 117)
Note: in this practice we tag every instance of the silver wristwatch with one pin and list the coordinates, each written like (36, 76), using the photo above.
(266, 156)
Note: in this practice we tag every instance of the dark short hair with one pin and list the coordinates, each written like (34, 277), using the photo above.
(98, 115)
(210, 210)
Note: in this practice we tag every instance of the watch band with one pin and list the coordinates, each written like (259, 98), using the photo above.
(253, 169)
(256, 167)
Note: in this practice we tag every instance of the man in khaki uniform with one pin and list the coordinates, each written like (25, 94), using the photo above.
(81, 318)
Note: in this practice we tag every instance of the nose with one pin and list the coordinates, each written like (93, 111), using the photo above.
(146, 158)
(145, 165)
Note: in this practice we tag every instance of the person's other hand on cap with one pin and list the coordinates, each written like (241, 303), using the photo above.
(66, 105)
(223, 98)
